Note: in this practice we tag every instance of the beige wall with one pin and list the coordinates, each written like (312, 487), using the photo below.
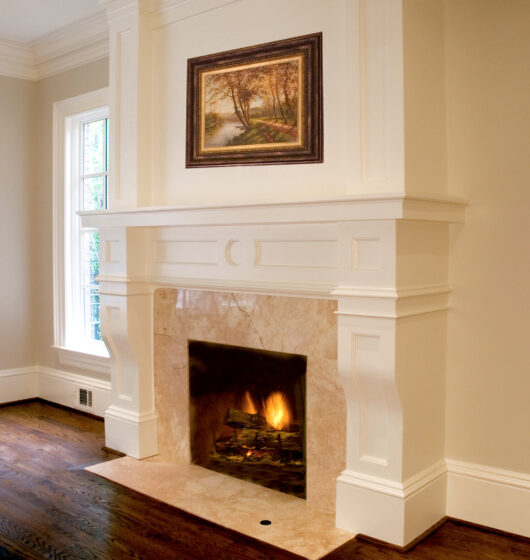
(424, 97)
(488, 126)
(61, 86)
(17, 348)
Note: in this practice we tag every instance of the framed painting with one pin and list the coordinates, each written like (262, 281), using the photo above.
(256, 105)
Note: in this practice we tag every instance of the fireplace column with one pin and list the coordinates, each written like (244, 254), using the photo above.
(130, 37)
(126, 306)
(392, 328)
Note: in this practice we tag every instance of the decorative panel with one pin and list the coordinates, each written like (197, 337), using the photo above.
(201, 252)
(366, 362)
(366, 253)
(299, 254)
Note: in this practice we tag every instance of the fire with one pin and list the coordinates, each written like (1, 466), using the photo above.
(248, 404)
(276, 410)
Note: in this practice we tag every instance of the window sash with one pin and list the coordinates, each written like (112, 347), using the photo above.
(77, 333)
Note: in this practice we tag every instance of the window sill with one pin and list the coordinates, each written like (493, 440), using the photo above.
(95, 359)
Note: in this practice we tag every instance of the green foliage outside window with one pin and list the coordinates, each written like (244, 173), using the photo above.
(94, 197)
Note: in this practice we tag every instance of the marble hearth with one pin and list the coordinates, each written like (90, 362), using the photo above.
(359, 285)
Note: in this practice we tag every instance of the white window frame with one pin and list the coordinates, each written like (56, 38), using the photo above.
(68, 116)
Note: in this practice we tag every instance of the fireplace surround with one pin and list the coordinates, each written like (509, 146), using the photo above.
(300, 326)
(372, 269)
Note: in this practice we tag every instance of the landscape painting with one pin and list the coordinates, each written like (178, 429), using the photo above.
(251, 106)
(256, 105)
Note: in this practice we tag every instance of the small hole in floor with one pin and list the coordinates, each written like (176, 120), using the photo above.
(265, 522)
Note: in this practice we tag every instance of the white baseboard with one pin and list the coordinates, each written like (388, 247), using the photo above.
(19, 384)
(488, 496)
(62, 387)
(390, 511)
(396, 513)
(131, 433)
(54, 385)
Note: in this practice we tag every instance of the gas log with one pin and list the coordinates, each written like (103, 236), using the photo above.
(253, 432)
(269, 438)
(239, 419)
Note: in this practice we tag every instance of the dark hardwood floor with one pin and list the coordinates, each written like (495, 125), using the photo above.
(51, 508)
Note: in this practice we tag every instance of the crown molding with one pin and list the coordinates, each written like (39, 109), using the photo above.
(82, 42)
(116, 9)
(16, 60)
(171, 11)
(79, 43)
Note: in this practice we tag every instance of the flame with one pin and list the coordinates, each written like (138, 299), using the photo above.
(276, 410)
(248, 404)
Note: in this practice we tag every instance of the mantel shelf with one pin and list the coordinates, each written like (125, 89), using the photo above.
(373, 207)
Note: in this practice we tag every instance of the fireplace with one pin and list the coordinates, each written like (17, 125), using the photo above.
(275, 331)
(247, 414)
(359, 286)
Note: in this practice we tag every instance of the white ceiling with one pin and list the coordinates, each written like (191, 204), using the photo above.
(27, 20)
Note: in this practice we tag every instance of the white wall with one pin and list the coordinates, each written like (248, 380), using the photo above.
(242, 24)
(488, 119)
(17, 303)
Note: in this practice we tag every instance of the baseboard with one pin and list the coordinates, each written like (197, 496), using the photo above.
(63, 387)
(131, 433)
(56, 386)
(490, 497)
(389, 511)
(19, 384)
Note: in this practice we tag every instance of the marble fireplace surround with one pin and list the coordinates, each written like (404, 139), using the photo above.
(304, 326)
(371, 271)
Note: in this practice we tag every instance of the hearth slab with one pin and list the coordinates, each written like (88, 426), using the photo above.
(231, 503)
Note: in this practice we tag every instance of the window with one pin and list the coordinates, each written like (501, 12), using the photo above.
(87, 190)
(81, 174)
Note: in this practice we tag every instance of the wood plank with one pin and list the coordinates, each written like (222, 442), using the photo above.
(51, 509)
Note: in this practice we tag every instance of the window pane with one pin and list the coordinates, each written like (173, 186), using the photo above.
(107, 154)
(94, 193)
(90, 285)
(95, 147)
(91, 257)
(91, 308)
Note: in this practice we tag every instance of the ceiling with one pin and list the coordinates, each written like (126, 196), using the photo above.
(27, 20)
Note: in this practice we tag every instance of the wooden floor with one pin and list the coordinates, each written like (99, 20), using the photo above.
(51, 508)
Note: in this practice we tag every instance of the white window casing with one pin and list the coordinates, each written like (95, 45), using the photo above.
(73, 347)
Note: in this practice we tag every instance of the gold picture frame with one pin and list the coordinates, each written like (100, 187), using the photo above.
(256, 105)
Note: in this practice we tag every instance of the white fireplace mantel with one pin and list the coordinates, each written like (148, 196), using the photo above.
(383, 258)
(393, 206)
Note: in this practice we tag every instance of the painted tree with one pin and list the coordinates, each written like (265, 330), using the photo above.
(280, 91)
(243, 87)
(287, 77)
(274, 86)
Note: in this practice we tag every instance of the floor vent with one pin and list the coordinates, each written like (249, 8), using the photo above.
(85, 397)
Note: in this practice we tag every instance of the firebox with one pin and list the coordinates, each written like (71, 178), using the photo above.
(247, 414)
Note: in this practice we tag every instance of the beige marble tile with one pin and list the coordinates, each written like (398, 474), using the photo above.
(285, 324)
(232, 503)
